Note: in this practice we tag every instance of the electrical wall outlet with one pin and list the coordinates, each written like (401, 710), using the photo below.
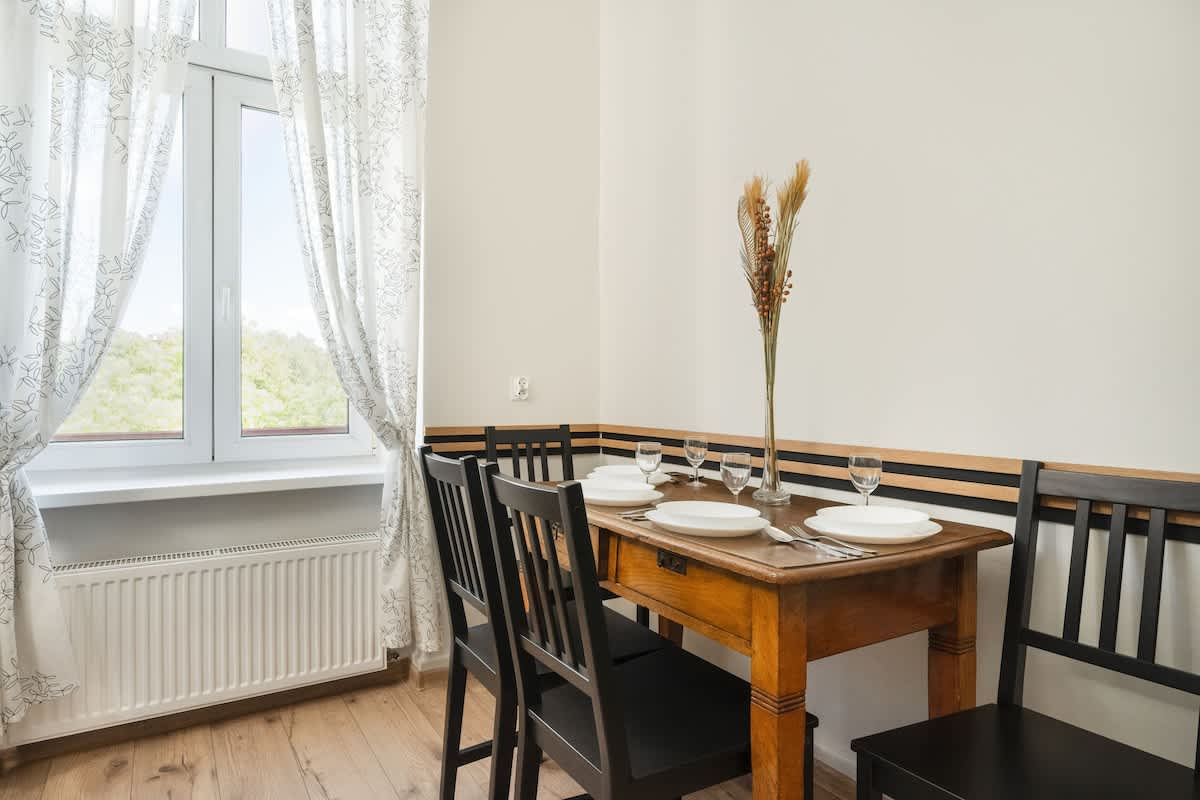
(518, 387)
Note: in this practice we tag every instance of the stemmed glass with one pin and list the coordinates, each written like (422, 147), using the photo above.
(735, 471)
(865, 471)
(695, 448)
(649, 456)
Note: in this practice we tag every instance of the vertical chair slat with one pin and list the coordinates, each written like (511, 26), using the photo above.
(1156, 543)
(531, 475)
(516, 459)
(455, 545)
(463, 531)
(535, 526)
(533, 600)
(545, 447)
(560, 596)
(460, 568)
(1113, 573)
(1079, 553)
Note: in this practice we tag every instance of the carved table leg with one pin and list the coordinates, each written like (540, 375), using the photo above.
(778, 678)
(952, 648)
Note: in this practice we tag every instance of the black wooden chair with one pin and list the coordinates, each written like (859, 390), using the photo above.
(658, 726)
(1004, 750)
(536, 443)
(532, 444)
(460, 524)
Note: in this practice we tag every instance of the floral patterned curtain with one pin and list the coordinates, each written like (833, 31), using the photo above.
(350, 80)
(88, 101)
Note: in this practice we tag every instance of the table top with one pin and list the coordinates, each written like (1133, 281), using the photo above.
(762, 559)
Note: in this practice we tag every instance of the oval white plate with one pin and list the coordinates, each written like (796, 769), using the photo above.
(876, 535)
(709, 513)
(628, 472)
(867, 520)
(745, 527)
(617, 493)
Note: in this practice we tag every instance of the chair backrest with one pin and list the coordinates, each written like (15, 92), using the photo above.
(570, 639)
(460, 523)
(1126, 502)
(535, 442)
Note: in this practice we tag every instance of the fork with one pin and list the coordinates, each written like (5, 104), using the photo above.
(821, 547)
(803, 534)
(635, 512)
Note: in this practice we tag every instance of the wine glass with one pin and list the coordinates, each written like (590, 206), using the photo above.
(865, 471)
(695, 448)
(735, 471)
(649, 456)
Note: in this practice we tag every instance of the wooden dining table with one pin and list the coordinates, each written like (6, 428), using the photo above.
(784, 605)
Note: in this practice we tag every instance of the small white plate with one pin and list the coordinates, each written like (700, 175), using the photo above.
(628, 472)
(876, 535)
(741, 527)
(600, 492)
(709, 513)
(868, 520)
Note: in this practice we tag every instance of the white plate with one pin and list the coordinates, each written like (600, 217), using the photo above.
(717, 516)
(745, 527)
(628, 472)
(876, 535)
(617, 493)
(868, 520)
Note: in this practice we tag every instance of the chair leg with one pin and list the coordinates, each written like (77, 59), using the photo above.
(529, 758)
(504, 739)
(643, 616)
(809, 765)
(456, 688)
(865, 785)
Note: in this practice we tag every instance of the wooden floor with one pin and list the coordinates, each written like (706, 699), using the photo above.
(382, 742)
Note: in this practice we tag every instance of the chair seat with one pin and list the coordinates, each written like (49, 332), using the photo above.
(686, 720)
(1000, 752)
(626, 639)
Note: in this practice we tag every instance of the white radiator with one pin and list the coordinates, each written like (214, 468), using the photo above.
(158, 634)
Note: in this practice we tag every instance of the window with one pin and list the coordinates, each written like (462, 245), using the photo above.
(219, 356)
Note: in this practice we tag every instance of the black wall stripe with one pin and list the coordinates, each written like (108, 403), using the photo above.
(1184, 533)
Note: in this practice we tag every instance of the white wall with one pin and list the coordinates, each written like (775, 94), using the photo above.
(1000, 219)
(511, 211)
(998, 256)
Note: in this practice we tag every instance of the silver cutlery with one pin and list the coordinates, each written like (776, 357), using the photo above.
(820, 547)
(803, 534)
(635, 512)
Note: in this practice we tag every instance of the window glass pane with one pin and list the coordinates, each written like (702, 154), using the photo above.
(137, 392)
(247, 26)
(288, 385)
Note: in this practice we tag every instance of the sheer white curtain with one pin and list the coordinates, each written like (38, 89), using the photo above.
(88, 101)
(350, 80)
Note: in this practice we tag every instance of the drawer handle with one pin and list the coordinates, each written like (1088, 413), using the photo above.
(672, 562)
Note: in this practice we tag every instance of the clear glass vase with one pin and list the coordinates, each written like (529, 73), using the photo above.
(771, 492)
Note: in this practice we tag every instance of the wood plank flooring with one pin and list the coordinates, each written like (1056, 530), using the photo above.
(381, 742)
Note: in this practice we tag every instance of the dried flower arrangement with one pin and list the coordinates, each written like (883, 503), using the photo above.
(765, 254)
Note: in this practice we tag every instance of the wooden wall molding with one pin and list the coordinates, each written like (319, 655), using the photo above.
(957, 480)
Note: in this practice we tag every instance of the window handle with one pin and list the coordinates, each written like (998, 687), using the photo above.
(226, 303)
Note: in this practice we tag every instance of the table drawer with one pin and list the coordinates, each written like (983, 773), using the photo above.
(718, 598)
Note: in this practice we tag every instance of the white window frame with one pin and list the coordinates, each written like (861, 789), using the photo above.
(196, 444)
(220, 82)
(232, 94)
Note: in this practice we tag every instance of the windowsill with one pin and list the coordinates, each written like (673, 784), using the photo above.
(87, 487)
